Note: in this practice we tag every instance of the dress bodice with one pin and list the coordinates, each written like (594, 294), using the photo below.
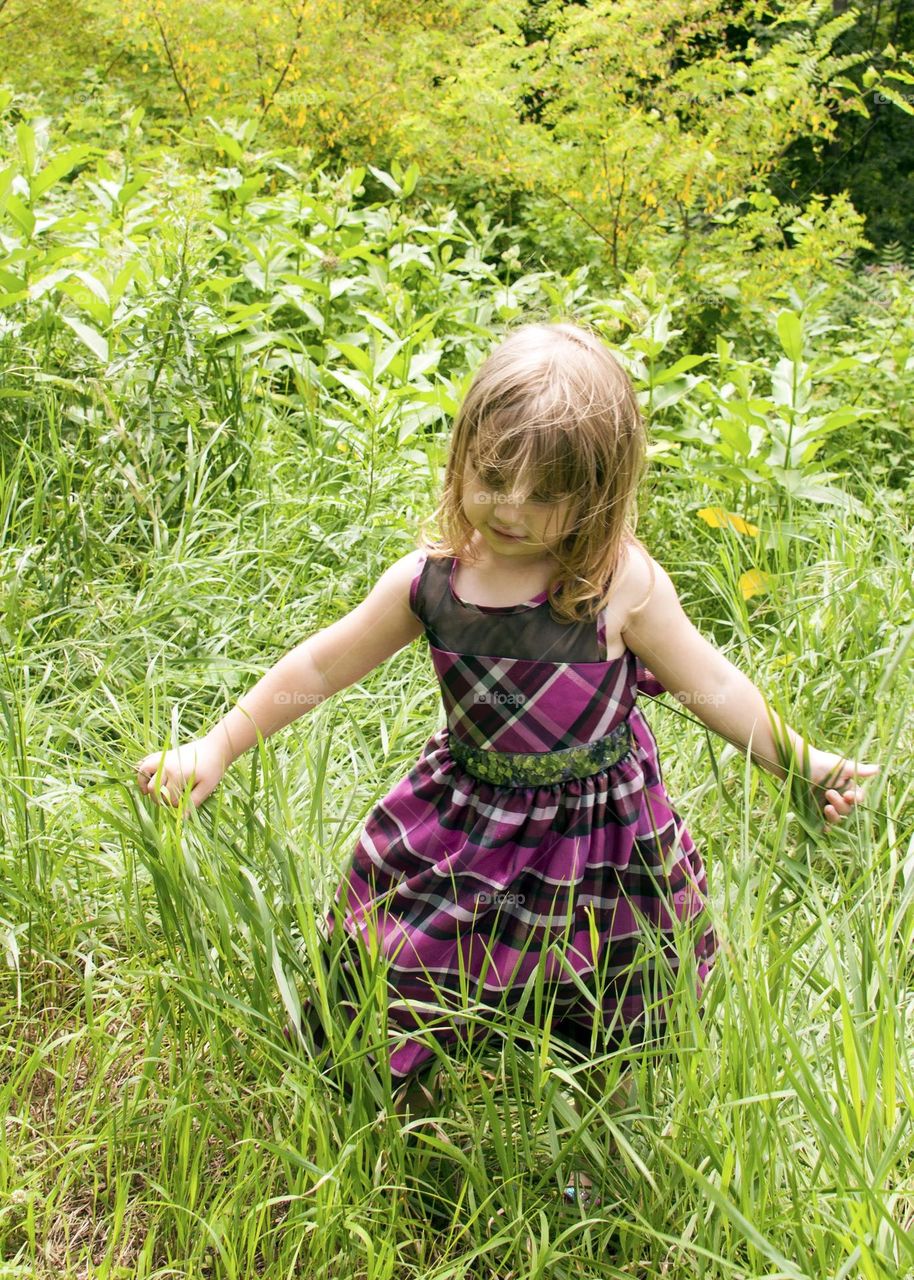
(514, 678)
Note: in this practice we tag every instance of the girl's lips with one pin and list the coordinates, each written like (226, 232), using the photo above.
(513, 537)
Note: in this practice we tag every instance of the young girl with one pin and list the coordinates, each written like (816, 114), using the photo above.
(539, 813)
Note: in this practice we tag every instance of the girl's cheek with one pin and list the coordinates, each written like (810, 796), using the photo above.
(558, 523)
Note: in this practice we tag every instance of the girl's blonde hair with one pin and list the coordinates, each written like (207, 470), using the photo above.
(552, 412)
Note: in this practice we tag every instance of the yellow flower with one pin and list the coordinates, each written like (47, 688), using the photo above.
(753, 583)
(718, 518)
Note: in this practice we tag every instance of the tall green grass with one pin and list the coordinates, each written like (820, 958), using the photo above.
(157, 1120)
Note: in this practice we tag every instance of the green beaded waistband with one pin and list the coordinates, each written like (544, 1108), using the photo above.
(540, 768)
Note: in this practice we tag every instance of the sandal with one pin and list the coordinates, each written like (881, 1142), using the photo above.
(585, 1196)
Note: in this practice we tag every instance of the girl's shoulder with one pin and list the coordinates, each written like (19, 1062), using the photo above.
(632, 583)
(398, 582)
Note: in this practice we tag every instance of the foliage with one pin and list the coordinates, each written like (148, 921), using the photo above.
(319, 73)
(870, 154)
(293, 295)
(620, 134)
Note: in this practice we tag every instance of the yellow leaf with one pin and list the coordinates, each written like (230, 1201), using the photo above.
(753, 583)
(718, 518)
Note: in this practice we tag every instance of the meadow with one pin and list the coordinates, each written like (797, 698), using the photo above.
(225, 391)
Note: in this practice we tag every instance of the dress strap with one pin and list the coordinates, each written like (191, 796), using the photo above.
(414, 585)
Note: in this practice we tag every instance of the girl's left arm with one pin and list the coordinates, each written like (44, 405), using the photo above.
(694, 671)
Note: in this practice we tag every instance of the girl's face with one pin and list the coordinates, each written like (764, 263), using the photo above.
(513, 525)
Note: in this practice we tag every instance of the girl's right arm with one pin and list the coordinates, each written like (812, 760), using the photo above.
(723, 697)
(326, 662)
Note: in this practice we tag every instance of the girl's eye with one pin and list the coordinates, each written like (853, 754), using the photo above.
(495, 482)
(491, 480)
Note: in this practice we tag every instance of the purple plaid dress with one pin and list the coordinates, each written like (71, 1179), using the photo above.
(466, 884)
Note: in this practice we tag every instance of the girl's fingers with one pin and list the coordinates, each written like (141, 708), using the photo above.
(161, 793)
(146, 773)
(839, 805)
(833, 814)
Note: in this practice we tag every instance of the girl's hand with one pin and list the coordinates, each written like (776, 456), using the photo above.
(830, 776)
(199, 761)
